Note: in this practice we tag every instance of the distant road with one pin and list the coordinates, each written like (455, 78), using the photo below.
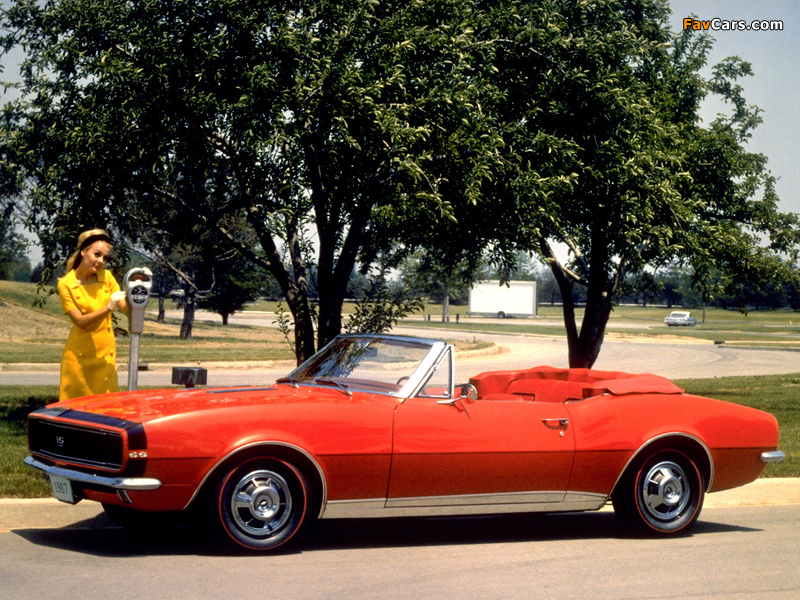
(675, 360)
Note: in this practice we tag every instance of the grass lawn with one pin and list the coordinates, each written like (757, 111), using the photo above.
(763, 328)
(38, 335)
(17, 480)
(777, 394)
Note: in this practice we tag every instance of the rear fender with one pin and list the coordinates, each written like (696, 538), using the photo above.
(693, 447)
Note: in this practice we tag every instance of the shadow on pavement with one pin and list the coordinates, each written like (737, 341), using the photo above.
(98, 536)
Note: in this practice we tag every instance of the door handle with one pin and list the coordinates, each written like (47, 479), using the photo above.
(561, 422)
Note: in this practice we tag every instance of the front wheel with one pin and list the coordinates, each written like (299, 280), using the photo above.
(666, 494)
(263, 503)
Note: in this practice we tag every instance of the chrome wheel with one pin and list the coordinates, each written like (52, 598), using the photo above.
(665, 491)
(263, 503)
(666, 495)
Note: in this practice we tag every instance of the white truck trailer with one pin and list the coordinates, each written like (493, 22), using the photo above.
(491, 299)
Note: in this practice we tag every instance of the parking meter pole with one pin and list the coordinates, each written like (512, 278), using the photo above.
(138, 282)
(133, 364)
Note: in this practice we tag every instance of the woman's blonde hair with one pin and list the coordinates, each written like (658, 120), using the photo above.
(86, 239)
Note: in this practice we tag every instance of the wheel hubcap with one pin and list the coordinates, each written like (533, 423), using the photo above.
(665, 491)
(261, 503)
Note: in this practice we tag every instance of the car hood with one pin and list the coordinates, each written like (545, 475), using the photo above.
(148, 405)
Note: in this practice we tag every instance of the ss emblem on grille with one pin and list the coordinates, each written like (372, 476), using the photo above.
(60, 441)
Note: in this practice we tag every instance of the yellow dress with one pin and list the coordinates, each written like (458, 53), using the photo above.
(89, 362)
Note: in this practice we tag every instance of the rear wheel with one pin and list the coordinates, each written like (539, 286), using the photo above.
(263, 503)
(665, 496)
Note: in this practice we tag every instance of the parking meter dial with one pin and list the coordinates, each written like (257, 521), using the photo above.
(139, 295)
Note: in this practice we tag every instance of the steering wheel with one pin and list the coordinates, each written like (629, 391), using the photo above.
(403, 379)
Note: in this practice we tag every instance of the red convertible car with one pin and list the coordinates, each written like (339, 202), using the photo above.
(374, 426)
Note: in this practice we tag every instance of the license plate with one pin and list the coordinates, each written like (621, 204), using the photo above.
(62, 489)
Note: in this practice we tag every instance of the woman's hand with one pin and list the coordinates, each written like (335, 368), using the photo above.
(116, 297)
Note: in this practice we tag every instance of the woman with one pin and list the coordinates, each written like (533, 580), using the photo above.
(89, 294)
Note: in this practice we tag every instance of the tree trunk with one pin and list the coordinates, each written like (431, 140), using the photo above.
(303, 326)
(584, 346)
(334, 272)
(225, 318)
(446, 306)
(162, 313)
(585, 349)
(295, 291)
(568, 304)
(188, 315)
(331, 300)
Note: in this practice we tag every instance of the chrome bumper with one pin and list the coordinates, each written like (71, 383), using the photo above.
(774, 456)
(134, 484)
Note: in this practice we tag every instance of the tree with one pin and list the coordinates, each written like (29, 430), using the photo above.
(235, 283)
(431, 276)
(607, 157)
(384, 303)
(459, 126)
(13, 262)
(338, 118)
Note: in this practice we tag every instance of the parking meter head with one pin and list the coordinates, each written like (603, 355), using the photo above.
(138, 283)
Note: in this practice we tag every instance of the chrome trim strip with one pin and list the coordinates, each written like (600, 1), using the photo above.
(353, 509)
(772, 457)
(671, 434)
(269, 443)
(135, 484)
(597, 500)
(423, 372)
(476, 499)
(376, 507)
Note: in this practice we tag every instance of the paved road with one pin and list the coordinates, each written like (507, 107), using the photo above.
(675, 360)
(734, 553)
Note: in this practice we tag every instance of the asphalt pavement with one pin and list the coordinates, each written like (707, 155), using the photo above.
(48, 513)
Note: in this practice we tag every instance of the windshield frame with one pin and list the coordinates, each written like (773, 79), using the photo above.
(416, 378)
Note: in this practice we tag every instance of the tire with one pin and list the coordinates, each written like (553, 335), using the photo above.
(666, 495)
(263, 504)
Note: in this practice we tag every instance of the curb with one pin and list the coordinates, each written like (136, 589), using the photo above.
(49, 513)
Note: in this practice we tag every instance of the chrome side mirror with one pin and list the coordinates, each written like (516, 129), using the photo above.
(469, 392)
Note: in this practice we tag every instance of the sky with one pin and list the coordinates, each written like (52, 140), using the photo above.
(774, 87)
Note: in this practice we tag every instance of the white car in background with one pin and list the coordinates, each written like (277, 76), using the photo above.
(678, 317)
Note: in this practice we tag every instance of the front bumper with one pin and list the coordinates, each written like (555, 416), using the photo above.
(772, 457)
(127, 484)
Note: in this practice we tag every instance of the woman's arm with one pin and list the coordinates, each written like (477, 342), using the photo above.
(89, 319)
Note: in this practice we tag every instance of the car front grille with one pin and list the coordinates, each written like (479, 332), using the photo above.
(90, 446)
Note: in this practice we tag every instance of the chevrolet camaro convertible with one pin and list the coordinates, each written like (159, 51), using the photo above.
(374, 426)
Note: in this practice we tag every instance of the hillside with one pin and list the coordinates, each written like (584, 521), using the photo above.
(20, 322)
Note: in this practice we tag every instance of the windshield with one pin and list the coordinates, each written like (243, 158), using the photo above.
(381, 364)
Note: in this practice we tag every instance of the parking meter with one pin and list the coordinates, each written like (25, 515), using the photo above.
(138, 282)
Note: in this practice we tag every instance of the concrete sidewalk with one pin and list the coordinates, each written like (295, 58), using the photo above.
(48, 513)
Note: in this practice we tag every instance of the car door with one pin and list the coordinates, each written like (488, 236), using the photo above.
(485, 452)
